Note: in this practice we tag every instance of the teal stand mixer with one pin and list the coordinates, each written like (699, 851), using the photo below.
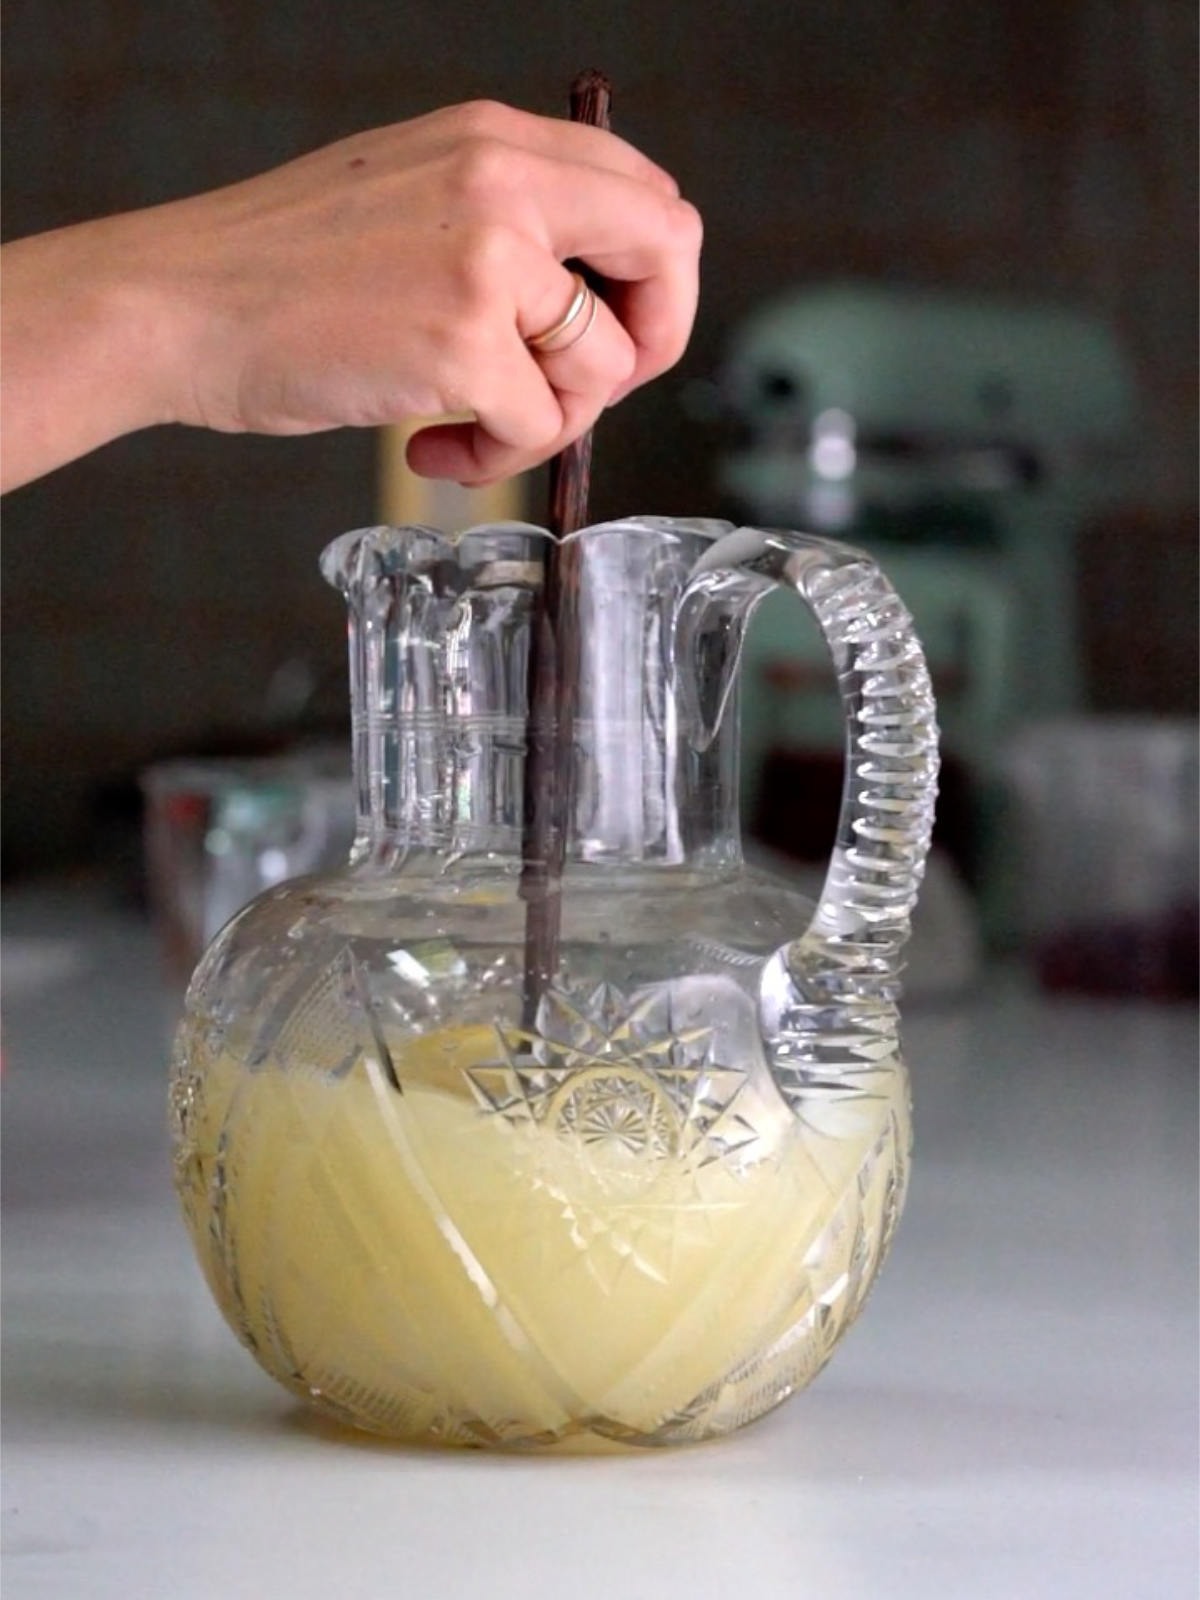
(965, 440)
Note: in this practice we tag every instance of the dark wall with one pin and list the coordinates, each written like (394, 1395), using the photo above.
(1050, 150)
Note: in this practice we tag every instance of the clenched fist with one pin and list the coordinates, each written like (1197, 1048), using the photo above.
(397, 273)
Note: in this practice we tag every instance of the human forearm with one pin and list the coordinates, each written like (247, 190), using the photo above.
(85, 340)
(407, 271)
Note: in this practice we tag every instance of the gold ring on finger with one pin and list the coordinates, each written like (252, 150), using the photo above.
(550, 340)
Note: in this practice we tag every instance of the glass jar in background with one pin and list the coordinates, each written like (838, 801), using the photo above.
(1107, 816)
(219, 832)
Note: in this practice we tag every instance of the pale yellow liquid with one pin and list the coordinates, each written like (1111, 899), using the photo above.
(428, 1268)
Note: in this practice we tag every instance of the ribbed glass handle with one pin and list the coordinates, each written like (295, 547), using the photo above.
(862, 920)
(890, 782)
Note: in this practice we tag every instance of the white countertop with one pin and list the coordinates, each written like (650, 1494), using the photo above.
(1014, 1417)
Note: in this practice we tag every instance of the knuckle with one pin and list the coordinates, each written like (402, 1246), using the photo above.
(484, 119)
(541, 425)
(620, 359)
(665, 350)
(657, 177)
(471, 166)
(687, 226)
(544, 438)
(483, 167)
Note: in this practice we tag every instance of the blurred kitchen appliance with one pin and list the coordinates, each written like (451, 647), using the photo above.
(964, 440)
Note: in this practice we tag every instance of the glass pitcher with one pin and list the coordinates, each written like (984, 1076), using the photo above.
(644, 1212)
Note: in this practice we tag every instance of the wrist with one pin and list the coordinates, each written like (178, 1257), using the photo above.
(89, 343)
(130, 323)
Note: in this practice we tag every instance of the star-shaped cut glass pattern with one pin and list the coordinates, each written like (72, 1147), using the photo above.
(620, 1076)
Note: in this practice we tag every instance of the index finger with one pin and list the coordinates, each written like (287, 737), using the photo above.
(597, 147)
(645, 244)
(658, 314)
(557, 138)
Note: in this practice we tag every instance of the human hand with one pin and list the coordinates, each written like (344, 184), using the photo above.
(398, 273)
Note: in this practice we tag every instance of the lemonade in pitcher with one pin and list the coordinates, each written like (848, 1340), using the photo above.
(645, 1212)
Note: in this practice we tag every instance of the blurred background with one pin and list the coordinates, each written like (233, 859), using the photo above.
(949, 312)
